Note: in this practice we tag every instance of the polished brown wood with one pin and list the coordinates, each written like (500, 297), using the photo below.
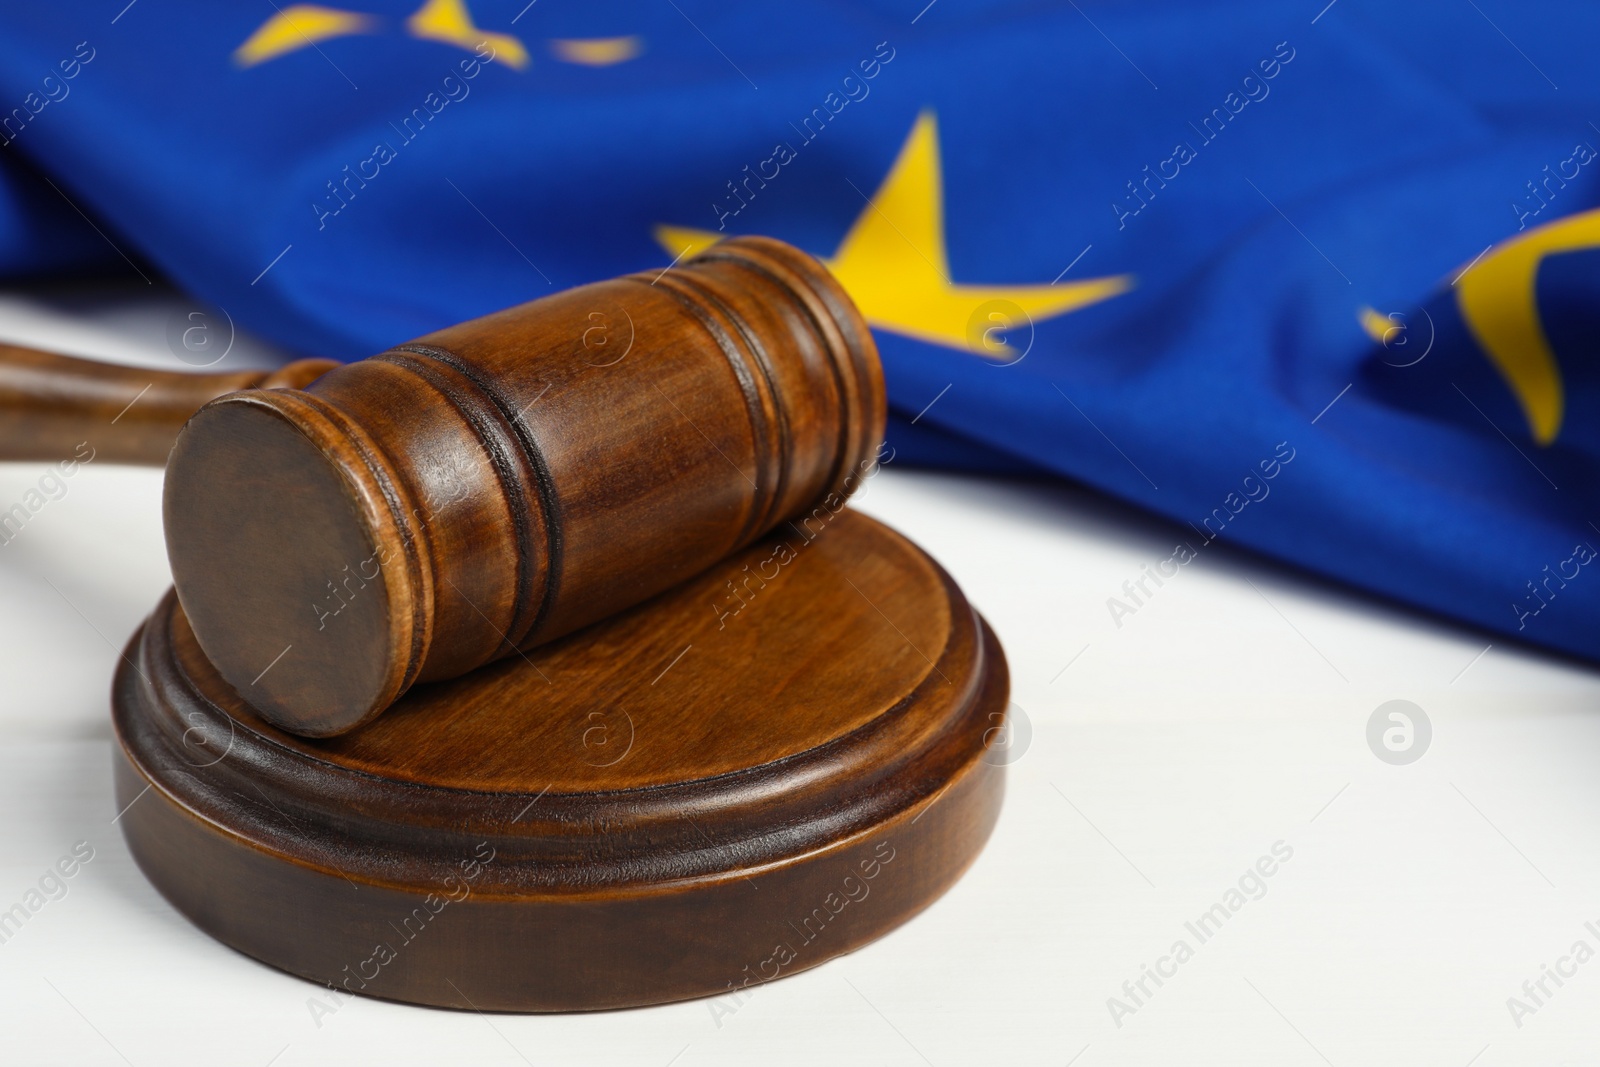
(49, 404)
(501, 483)
(768, 766)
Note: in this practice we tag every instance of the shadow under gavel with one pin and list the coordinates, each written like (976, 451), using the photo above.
(338, 533)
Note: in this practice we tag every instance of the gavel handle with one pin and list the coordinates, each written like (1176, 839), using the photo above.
(50, 404)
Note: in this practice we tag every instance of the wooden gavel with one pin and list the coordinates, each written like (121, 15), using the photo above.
(354, 529)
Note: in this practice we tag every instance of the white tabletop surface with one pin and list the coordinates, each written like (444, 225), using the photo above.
(1225, 718)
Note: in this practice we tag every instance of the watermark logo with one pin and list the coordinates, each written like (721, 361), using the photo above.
(1405, 344)
(455, 888)
(51, 886)
(1251, 885)
(51, 486)
(1009, 734)
(607, 337)
(999, 330)
(853, 88)
(854, 888)
(205, 743)
(607, 737)
(200, 337)
(1539, 596)
(1399, 732)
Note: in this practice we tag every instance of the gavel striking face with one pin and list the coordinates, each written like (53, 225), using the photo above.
(506, 481)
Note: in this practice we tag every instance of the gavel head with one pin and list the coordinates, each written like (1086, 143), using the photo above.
(505, 481)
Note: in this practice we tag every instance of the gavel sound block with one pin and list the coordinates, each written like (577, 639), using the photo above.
(691, 798)
(781, 756)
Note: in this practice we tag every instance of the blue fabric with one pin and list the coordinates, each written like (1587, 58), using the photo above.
(1390, 149)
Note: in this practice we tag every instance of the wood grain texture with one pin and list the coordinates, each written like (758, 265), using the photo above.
(694, 797)
(503, 482)
(50, 403)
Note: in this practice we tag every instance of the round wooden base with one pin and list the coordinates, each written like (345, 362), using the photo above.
(749, 775)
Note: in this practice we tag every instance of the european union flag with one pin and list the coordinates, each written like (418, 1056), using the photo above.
(1318, 282)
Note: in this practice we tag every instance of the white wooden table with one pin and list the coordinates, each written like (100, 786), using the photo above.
(1224, 722)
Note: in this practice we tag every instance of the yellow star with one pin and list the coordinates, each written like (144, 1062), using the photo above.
(303, 25)
(597, 51)
(449, 21)
(893, 263)
(298, 26)
(1498, 298)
